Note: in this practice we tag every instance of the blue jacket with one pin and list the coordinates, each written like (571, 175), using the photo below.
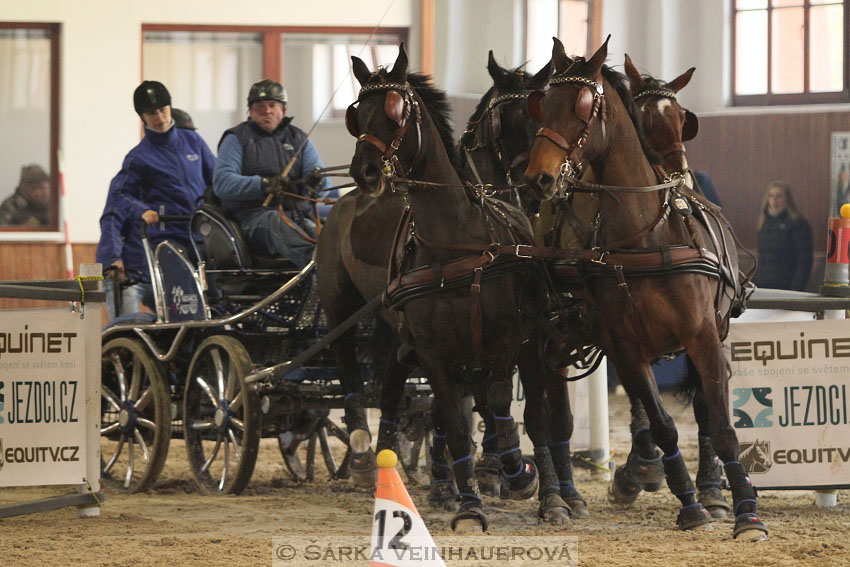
(166, 172)
(238, 176)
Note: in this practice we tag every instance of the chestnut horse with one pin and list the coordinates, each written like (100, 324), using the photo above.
(459, 292)
(662, 271)
(493, 153)
(667, 125)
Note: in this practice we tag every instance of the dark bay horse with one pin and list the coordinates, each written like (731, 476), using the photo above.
(460, 292)
(493, 153)
(662, 272)
(667, 125)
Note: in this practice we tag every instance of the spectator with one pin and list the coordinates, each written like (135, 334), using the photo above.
(252, 158)
(165, 174)
(29, 204)
(784, 241)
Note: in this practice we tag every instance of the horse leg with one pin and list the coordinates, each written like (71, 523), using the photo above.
(707, 354)
(710, 470)
(639, 382)
(549, 423)
(487, 467)
(442, 493)
(643, 469)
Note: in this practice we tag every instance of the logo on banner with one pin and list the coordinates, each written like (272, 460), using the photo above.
(754, 456)
(184, 303)
(752, 407)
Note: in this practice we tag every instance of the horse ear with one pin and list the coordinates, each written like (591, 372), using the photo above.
(595, 63)
(559, 61)
(496, 72)
(399, 72)
(635, 80)
(542, 76)
(681, 81)
(360, 70)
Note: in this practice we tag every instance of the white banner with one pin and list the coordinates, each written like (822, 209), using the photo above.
(42, 397)
(788, 398)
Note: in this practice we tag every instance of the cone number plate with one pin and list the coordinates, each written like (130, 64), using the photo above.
(395, 542)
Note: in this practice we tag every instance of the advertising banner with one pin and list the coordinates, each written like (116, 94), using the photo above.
(42, 398)
(788, 399)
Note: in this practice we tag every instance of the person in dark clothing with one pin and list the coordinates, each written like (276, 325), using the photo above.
(165, 174)
(784, 242)
(29, 204)
(252, 163)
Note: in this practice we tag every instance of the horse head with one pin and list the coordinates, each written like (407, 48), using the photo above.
(386, 119)
(665, 122)
(572, 114)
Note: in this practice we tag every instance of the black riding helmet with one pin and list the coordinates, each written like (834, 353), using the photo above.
(149, 96)
(266, 90)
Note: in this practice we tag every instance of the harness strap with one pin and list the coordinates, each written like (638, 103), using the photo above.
(475, 321)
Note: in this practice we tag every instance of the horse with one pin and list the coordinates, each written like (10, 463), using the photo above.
(493, 153)
(659, 265)
(461, 294)
(667, 125)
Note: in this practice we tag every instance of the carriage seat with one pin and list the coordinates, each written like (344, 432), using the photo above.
(220, 244)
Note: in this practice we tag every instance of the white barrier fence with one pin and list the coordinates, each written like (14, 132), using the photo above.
(50, 394)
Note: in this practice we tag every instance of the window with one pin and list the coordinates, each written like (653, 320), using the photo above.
(789, 52)
(29, 162)
(325, 61)
(575, 22)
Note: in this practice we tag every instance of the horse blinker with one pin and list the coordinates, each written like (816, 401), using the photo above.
(584, 105)
(690, 127)
(535, 105)
(394, 106)
(351, 120)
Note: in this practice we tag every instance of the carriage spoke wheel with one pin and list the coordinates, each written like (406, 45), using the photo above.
(135, 412)
(319, 438)
(221, 416)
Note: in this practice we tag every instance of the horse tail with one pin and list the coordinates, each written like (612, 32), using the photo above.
(689, 384)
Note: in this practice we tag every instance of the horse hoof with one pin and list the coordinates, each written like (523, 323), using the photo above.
(524, 485)
(442, 496)
(470, 519)
(748, 527)
(693, 516)
(487, 475)
(579, 508)
(364, 469)
(649, 473)
(553, 510)
(713, 501)
(624, 489)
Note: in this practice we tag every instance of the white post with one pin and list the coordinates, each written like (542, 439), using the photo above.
(93, 314)
(598, 395)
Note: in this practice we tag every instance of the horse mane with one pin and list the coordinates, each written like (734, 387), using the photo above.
(619, 82)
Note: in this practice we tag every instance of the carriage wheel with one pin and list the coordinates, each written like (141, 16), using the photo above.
(135, 416)
(221, 416)
(320, 437)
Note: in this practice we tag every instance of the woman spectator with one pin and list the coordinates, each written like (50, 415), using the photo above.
(784, 241)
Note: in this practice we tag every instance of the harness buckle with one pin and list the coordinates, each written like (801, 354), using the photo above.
(518, 255)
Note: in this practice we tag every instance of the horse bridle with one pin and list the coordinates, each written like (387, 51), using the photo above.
(689, 127)
(399, 104)
(590, 103)
(492, 119)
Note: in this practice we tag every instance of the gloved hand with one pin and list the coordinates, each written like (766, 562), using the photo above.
(278, 186)
(314, 178)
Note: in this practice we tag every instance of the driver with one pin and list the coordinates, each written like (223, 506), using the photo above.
(252, 157)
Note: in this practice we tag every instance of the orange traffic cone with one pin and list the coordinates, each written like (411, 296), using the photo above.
(399, 536)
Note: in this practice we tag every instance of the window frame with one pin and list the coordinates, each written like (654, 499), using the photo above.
(594, 24)
(54, 35)
(806, 97)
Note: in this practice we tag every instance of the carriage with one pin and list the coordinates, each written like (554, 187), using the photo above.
(189, 370)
